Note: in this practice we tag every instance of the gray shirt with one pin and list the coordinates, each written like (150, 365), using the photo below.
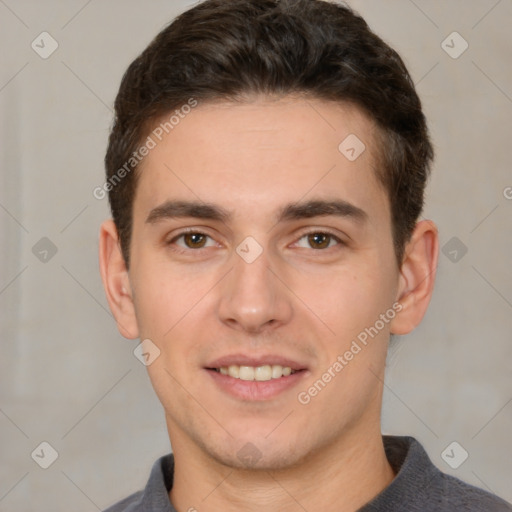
(417, 487)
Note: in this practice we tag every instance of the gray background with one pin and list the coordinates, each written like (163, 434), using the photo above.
(68, 378)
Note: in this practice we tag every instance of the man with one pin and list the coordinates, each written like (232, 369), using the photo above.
(266, 173)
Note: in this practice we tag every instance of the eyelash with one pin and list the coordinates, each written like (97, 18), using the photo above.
(339, 242)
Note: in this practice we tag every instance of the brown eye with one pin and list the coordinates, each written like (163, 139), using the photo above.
(194, 240)
(319, 240)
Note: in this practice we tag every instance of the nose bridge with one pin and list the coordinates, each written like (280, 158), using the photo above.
(252, 298)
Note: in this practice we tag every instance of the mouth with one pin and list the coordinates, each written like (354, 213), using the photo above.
(258, 373)
(255, 379)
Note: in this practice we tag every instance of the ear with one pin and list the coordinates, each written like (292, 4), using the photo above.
(417, 277)
(116, 281)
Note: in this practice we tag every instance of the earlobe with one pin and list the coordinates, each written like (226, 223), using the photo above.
(116, 281)
(417, 277)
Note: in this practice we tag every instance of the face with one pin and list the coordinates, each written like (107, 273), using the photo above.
(260, 251)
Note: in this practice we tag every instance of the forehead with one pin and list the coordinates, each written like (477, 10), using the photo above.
(262, 153)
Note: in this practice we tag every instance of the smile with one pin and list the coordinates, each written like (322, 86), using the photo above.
(259, 373)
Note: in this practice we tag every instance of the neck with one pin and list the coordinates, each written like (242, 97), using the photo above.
(344, 475)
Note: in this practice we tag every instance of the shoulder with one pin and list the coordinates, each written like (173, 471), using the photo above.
(454, 494)
(420, 486)
(155, 495)
(132, 503)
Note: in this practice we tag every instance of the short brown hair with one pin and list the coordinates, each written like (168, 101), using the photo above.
(226, 49)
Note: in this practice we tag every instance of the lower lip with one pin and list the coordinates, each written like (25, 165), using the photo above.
(254, 390)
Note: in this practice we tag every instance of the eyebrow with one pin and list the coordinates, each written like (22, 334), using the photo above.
(321, 208)
(292, 211)
(178, 209)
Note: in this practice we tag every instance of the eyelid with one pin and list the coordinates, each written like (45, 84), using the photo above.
(204, 232)
(185, 231)
(323, 231)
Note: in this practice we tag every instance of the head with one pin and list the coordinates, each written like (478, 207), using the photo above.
(275, 157)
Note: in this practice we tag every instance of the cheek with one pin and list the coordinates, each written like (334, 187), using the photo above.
(163, 293)
(347, 300)
(155, 307)
(171, 305)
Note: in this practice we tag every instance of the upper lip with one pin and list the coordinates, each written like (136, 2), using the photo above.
(263, 360)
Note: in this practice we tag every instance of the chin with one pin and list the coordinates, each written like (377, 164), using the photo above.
(258, 453)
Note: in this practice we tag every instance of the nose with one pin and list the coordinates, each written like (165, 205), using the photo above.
(252, 299)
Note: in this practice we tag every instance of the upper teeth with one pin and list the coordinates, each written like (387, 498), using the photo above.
(260, 373)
